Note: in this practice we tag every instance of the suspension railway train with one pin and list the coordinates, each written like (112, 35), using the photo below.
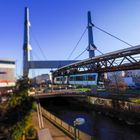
(78, 79)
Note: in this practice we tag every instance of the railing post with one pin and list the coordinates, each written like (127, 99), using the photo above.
(74, 132)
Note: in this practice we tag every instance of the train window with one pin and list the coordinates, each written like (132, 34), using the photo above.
(79, 78)
(71, 78)
(84, 77)
(57, 79)
(91, 77)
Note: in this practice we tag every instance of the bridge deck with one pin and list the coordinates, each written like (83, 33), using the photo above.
(49, 64)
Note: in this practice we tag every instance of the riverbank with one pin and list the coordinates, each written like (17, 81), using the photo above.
(118, 108)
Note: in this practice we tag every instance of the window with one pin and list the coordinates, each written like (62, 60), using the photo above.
(91, 77)
(3, 72)
(7, 62)
(57, 79)
(79, 78)
(71, 78)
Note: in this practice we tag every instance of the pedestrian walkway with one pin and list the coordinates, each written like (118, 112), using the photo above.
(44, 134)
(56, 134)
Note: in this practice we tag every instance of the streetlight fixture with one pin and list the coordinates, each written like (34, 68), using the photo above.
(77, 121)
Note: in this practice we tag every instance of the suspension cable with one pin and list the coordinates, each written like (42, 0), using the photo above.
(77, 44)
(80, 54)
(99, 51)
(33, 71)
(113, 36)
(35, 54)
(38, 45)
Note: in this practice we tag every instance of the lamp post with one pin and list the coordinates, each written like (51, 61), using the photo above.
(77, 121)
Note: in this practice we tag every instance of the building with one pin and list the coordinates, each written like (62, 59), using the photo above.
(7, 74)
(128, 78)
(42, 78)
(132, 77)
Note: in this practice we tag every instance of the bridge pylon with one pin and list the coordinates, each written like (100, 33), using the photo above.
(91, 47)
(26, 44)
(30, 64)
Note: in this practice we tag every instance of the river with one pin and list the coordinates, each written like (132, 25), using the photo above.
(96, 124)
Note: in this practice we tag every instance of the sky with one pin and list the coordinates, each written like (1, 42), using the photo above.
(57, 25)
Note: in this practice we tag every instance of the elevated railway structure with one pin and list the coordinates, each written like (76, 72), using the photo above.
(124, 59)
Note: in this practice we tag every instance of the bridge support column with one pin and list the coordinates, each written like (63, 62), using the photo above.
(26, 45)
(91, 47)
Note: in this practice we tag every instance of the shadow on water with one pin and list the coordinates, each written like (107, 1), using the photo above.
(97, 124)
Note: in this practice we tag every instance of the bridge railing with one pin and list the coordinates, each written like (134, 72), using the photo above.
(69, 129)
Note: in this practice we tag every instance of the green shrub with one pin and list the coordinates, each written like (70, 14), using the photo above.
(135, 100)
(34, 106)
(31, 132)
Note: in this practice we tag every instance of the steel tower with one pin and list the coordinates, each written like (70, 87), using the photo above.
(26, 44)
(91, 47)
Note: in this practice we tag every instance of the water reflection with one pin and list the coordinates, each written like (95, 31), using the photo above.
(97, 125)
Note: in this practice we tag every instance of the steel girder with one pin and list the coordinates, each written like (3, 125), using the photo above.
(125, 59)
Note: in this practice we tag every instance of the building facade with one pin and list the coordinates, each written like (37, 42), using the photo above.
(7, 73)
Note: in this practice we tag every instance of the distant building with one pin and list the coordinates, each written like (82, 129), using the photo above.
(7, 73)
(130, 77)
(134, 76)
(115, 75)
(42, 78)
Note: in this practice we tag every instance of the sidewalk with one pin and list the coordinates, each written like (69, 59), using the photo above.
(55, 132)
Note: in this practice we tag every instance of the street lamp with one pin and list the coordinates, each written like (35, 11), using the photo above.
(77, 121)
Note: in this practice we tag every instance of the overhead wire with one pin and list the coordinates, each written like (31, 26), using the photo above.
(99, 51)
(80, 54)
(35, 54)
(77, 44)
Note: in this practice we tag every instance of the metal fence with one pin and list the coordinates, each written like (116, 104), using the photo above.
(69, 129)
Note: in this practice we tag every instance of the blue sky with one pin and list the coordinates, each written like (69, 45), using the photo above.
(58, 24)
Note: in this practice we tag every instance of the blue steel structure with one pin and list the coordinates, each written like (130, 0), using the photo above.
(28, 64)
(26, 45)
(91, 47)
(49, 64)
